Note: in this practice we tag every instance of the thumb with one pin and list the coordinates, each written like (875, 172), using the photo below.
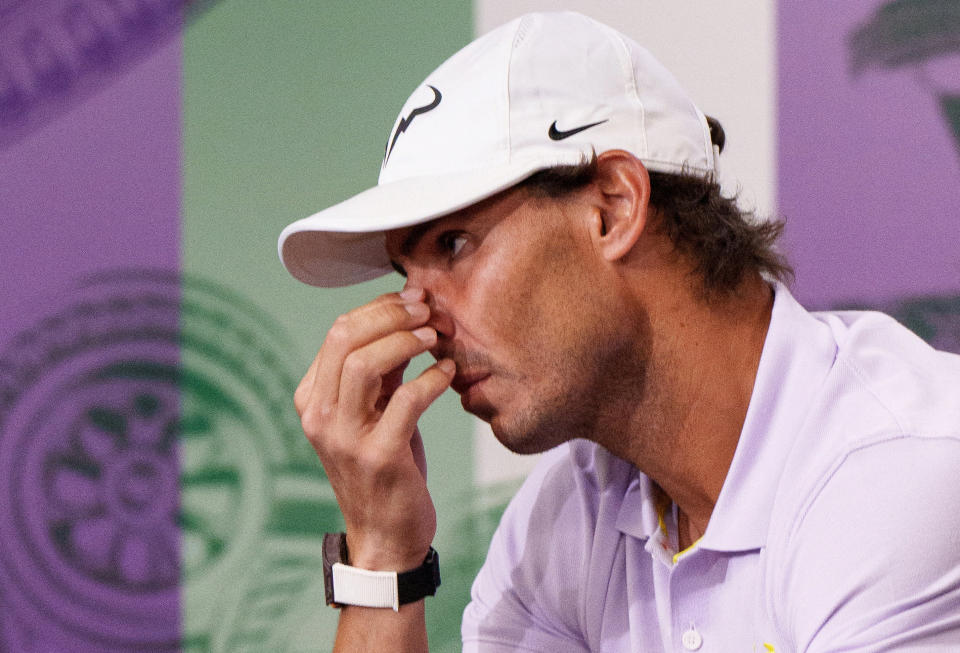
(419, 454)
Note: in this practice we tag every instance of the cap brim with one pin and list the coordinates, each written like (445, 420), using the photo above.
(345, 243)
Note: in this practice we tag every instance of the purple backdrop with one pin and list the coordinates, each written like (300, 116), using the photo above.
(869, 160)
(89, 412)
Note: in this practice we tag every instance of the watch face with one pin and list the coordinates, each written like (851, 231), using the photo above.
(334, 551)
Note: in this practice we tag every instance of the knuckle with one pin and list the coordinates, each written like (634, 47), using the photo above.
(408, 395)
(316, 421)
(334, 451)
(357, 364)
(326, 413)
(340, 330)
(376, 461)
(312, 424)
(300, 398)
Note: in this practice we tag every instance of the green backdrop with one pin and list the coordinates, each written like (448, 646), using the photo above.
(287, 106)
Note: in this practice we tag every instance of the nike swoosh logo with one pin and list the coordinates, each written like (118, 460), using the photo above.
(405, 122)
(558, 135)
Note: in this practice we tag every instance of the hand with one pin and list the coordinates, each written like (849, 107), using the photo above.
(362, 421)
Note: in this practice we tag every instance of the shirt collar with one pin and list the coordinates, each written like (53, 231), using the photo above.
(639, 513)
(798, 352)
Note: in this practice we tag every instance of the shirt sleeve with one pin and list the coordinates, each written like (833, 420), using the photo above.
(526, 596)
(874, 562)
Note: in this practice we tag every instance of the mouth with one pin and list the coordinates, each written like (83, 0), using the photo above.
(463, 382)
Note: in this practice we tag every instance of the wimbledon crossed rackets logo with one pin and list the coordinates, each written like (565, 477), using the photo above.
(150, 460)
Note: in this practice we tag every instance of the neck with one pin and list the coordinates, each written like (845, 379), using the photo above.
(686, 426)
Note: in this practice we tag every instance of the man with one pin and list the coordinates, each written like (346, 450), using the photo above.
(726, 471)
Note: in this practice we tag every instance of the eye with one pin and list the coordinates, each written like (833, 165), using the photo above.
(452, 242)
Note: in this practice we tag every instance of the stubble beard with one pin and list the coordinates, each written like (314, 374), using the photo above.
(592, 394)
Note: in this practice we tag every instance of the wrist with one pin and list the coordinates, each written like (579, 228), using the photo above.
(380, 557)
(350, 584)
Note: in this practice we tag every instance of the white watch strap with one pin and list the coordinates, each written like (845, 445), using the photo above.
(370, 589)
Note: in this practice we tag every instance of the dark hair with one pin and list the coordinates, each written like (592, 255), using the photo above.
(723, 241)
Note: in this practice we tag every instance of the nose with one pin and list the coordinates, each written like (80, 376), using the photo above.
(441, 318)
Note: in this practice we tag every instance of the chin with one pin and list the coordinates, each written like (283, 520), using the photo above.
(480, 409)
(524, 438)
(518, 427)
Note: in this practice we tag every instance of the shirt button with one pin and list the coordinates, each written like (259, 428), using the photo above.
(691, 640)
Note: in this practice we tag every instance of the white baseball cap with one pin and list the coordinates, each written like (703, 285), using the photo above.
(544, 90)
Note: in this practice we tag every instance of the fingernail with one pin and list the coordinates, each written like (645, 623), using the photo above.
(447, 366)
(411, 294)
(418, 310)
(426, 334)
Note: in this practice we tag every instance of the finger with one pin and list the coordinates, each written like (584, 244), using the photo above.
(419, 454)
(391, 381)
(308, 381)
(359, 327)
(411, 399)
(364, 369)
(305, 387)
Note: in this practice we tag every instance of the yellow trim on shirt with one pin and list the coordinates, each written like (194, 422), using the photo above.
(663, 525)
(678, 554)
(661, 510)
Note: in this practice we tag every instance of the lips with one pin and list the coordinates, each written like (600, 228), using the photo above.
(462, 382)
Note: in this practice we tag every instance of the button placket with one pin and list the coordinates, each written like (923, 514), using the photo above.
(691, 639)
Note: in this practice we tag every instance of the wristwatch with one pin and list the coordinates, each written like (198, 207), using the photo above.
(346, 585)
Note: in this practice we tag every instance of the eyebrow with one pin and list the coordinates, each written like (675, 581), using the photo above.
(415, 236)
(410, 243)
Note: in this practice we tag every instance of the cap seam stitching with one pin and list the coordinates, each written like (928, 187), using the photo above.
(509, 76)
(627, 61)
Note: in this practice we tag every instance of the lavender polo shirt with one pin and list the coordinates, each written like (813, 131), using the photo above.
(837, 528)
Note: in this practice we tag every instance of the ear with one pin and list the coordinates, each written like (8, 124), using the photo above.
(624, 185)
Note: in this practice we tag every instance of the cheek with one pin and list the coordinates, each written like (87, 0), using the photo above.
(496, 298)
(533, 303)
(496, 307)
(523, 302)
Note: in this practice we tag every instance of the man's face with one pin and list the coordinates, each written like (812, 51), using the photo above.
(531, 314)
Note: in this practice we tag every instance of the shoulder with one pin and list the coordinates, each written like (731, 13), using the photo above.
(864, 551)
(528, 589)
(885, 384)
(863, 540)
(882, 366)
(564, 491)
